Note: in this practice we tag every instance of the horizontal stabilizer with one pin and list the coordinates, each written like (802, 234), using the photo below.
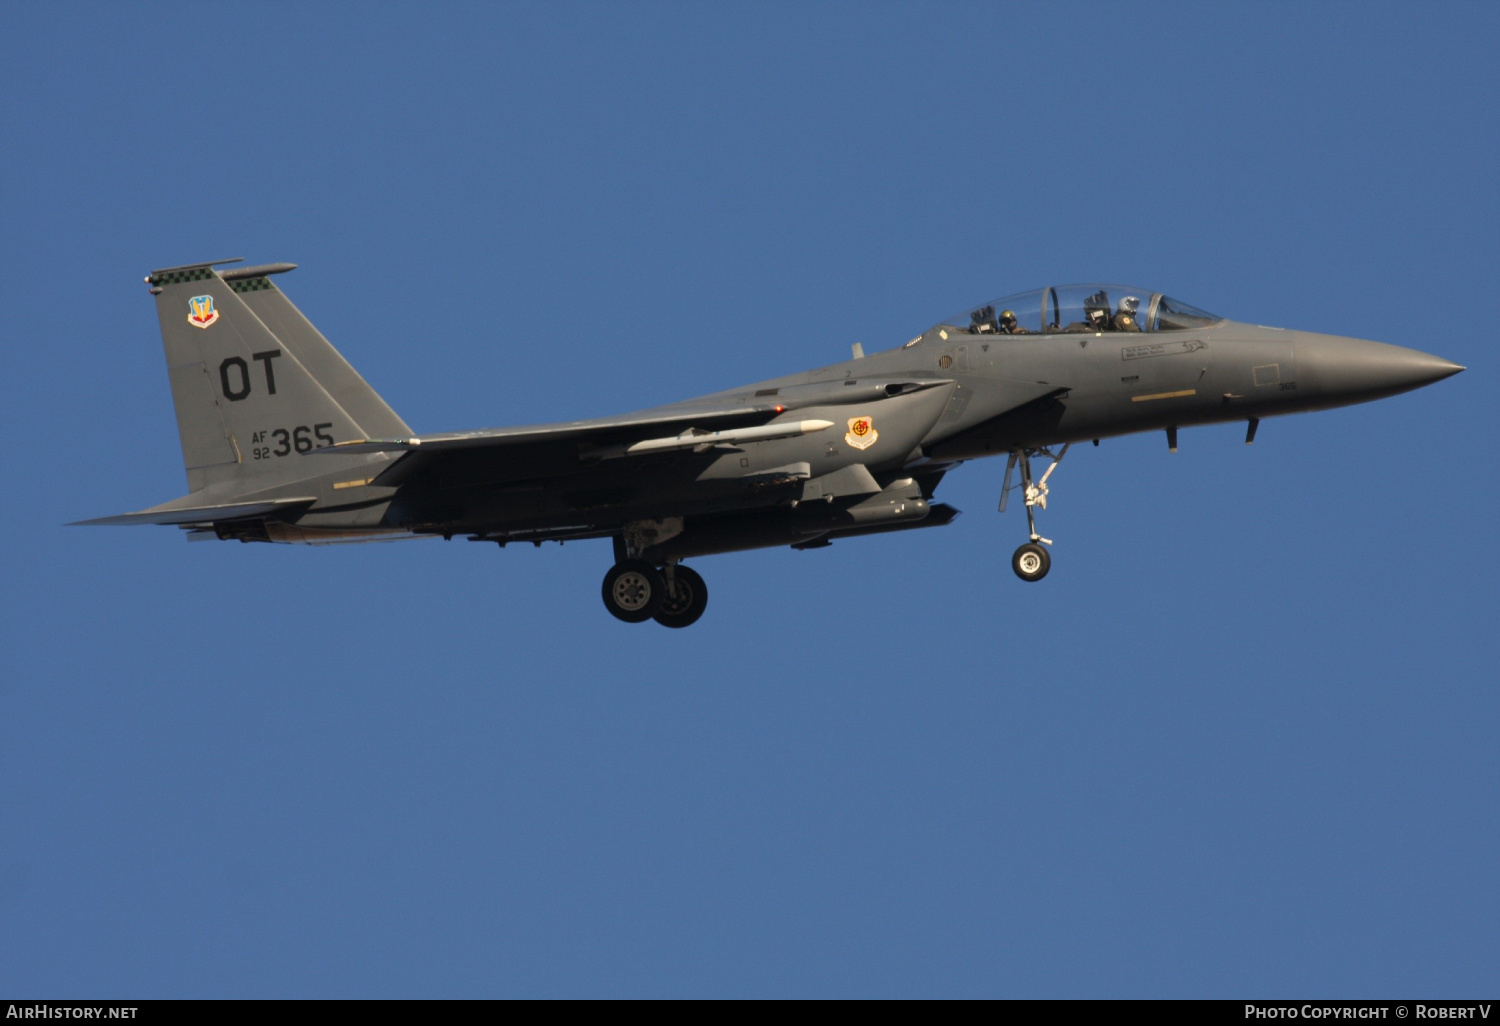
(200, 514)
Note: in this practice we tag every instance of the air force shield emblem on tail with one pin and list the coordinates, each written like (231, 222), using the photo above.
(862, 433)
(201, 312)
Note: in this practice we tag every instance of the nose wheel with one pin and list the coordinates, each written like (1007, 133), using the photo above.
(1031, 561)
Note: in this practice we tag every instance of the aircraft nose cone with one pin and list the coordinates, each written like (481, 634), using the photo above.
(1354, 369)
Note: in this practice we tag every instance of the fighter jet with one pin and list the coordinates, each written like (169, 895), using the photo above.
(284, 442)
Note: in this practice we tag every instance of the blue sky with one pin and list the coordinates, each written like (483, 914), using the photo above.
(1241, 741)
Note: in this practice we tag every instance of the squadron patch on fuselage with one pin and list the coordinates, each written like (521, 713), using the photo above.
(202, 313)
(862, 433)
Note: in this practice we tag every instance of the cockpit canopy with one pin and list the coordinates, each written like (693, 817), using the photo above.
(1063, 309)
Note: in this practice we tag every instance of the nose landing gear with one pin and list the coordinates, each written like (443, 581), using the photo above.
(1031, 562)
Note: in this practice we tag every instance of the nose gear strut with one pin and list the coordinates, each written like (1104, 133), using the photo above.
(1031, 562)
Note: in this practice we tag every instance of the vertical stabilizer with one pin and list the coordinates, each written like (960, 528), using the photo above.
(248, 409)
(254, 287)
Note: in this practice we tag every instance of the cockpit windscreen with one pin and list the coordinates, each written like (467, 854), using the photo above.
(1078, 309)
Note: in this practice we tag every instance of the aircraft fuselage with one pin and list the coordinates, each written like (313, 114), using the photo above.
(283, 441)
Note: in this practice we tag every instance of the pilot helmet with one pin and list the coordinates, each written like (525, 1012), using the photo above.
(1007, 317)
(1129, 305)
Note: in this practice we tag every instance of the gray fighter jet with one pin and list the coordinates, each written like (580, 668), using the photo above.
(284, 442)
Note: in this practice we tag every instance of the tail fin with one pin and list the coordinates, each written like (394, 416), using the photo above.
(313, 351)
(247, 403)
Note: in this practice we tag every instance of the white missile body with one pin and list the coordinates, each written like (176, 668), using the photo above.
(701, 440)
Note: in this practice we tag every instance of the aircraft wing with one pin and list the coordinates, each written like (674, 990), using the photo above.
(723, 419)
(669, 419)
(558, 444)
(716, 413)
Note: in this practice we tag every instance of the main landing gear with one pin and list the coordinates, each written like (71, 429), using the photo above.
(636, 591)
(1031, 562)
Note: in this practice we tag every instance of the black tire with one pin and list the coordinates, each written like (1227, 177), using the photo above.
(633, 591)
(685, 600)
(1031, 562)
